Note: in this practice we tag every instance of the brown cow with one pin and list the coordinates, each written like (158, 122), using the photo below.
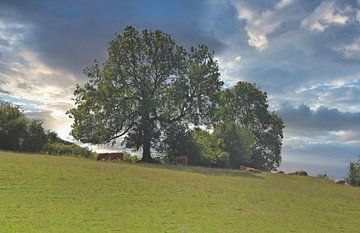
(181, 159)
(299, 173)
(249, 169)
(110, 156)
(103, 156)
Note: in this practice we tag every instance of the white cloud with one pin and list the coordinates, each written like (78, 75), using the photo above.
(26, 78)
(238, 58)
(284, 3)
(325, 15)
(351, 50)
(260, 23)
(12, 34)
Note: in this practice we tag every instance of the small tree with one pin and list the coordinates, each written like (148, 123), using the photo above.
(353, 177)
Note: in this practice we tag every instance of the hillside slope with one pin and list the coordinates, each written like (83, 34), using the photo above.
(58, 194)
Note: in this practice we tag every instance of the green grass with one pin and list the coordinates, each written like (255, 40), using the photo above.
(59, 194)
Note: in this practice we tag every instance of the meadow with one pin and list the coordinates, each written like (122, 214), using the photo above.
(41, 193)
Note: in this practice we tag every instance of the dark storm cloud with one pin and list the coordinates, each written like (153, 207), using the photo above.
(302, 120)
(71, 34)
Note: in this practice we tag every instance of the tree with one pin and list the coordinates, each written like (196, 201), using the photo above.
(147, 83)
(353, 177)
(238, 143)
(211, 149)
(12, 126)
(34, 137)
(246, 106)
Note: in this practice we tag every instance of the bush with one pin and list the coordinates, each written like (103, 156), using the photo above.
(12, 127)
(353, 177)
(130, 158)
(324, 176)
(34, 137)
(69, 150)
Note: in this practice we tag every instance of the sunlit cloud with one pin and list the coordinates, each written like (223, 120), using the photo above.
(327, 14)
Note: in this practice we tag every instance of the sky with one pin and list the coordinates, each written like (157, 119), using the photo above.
(304, 53)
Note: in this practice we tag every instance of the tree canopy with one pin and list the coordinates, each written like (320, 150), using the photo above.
(243, 111)
(147, 83)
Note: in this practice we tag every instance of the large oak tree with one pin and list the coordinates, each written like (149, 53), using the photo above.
(147, 83)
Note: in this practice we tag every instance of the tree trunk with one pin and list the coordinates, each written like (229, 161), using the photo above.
(146, 140)
(146, 153)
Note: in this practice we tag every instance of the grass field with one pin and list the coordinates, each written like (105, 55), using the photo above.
(59, 194)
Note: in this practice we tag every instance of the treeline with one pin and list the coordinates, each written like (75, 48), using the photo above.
(18, 133)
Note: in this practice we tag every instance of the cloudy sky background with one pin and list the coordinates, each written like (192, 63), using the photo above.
(304, 53)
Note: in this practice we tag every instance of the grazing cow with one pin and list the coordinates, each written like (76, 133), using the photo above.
(103, 156)
(280, 172)
(249, 169)
(299, 173)
(116, 156)
(181, 159)
(110, 156)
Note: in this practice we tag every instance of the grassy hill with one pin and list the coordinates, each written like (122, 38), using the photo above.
(59, 194)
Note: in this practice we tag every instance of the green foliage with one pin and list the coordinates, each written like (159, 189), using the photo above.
(324, 176)
(34, 137)
(238, 142)
(130, 158)
(211, 149)
(147, 83)
(12, 127)
(69, 150)
(21, 134)
(353, 177)
(246, 106)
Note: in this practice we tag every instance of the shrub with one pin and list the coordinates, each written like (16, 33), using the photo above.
(324, 176)
(353, 177)
(34, 137)
(69, 150)
(130, 158)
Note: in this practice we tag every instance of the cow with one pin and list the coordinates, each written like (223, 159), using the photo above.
(110, 156)
(299, 173)
(116, 156)
(103, 156)
(181, 159)
(249, 169)
(280, 172)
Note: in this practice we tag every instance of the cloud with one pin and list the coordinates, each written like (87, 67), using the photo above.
(284, 3)
(58, 123)
(260, 23)
(352, 50)
(327, 14)
(69, 38)
(302, 120)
